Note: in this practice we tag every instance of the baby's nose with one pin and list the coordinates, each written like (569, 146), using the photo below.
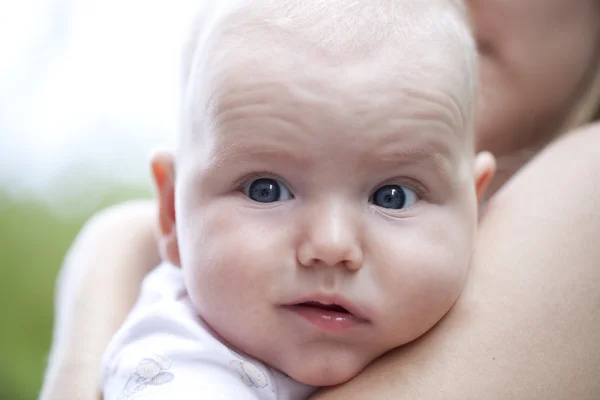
(332, 238)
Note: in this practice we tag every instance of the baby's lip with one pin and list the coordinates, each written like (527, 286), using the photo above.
(331, 303)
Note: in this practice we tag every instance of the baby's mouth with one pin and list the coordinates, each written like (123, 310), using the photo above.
(328, 307)
(328, 314)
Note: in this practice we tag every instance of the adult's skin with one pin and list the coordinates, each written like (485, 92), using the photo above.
(526, 324)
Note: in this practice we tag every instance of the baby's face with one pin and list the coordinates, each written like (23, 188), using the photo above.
(326, 214)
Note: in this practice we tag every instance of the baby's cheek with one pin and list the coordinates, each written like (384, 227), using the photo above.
(450, 240)
(428, 277)
(421, 274)
(419, 297)
(445, 264)
(233, 261)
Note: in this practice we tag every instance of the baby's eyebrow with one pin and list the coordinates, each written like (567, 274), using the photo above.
(435, 155)
(244, 151)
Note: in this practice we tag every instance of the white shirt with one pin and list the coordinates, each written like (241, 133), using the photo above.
(165, 351)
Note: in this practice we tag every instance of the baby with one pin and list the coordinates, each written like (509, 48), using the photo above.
(321, 209)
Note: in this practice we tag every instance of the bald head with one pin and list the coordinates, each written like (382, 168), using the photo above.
(336, 37)
(318, 133)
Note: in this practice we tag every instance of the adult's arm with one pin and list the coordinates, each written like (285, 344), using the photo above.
(527, 323)
(97, 286)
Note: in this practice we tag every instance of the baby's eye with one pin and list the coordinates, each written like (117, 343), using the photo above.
(394, 197)
(267, 190)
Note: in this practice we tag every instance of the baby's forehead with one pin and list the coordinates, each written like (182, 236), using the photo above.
(375, 50)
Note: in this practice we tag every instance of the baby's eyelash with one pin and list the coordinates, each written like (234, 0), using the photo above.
(243, 181)
(413, 184)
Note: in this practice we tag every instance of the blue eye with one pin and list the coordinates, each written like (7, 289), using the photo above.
(267, 190)
(394, 197)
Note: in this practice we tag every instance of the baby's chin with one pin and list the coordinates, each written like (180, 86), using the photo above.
(324, 369)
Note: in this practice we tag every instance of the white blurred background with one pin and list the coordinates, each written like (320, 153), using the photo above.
(87, 90)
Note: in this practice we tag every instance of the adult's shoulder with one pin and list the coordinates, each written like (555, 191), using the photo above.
(561, 182)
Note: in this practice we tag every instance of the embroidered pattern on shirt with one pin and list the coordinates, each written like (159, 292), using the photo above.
(250, 374)
(151, 371)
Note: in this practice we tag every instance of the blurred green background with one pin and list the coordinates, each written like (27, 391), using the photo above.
(81, 109)
(34, 237)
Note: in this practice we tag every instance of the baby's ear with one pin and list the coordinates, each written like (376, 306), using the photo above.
(485, 169)
(163, 172)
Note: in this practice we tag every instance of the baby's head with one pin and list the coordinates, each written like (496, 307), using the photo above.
(324, 204)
